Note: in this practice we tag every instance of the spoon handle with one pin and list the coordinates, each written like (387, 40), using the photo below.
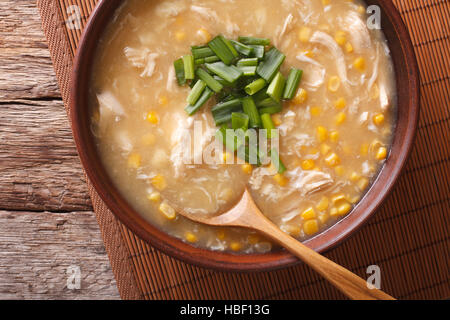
(347, 282)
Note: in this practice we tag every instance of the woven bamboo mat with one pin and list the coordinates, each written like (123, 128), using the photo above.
(408, 238)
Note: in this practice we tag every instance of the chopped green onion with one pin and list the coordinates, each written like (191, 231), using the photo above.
(191, 109)
(179, 71)
(292, 83)
(255, 41)
(248, 62)
(209, 80)
(267, 103)
(223, 82)
(276, 161)
(188, 61)
(227, 106)
(212, 59)
(202, 52)
(276, 87)
(249, 107)
(267, 124)
(248, 71)
(228, 139)
(198, 62)
(271, 64)
(222, 50)
(255, 86)
(230, 46)
(239, 120)
(196, 92)
(260, 96)
(242, 48)
(271, 110)
(228, 73)
(222, 118)
(258, 51)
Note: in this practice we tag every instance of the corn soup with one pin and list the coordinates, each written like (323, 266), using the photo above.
(335, 132)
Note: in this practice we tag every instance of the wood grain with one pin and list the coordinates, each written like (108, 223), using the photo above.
(46, 218)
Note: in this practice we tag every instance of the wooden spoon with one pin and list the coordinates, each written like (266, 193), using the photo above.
(246, 214)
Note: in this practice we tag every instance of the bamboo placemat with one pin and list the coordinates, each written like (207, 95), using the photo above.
(408, 238)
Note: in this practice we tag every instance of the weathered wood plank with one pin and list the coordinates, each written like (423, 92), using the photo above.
(36, 249)
(25, 65)
(39, 165)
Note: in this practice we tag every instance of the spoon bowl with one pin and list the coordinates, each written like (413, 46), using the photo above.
(247, 215)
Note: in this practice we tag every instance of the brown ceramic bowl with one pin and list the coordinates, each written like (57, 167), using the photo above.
(408, 109)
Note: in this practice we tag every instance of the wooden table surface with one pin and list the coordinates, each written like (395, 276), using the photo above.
(46, 219)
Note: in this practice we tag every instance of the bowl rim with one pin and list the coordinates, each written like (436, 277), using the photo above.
(223, 261)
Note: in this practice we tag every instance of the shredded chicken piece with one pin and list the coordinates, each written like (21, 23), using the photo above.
(108, 102)
(142, 58)
(287, 26)
(327, 41)
(314, 75)
(205, 13)
(308, 182)
(358, 31)
(170, 8)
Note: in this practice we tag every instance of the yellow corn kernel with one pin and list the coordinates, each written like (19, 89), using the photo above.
(309, 214)
(308, 164)
(340, 103)
(334, 212)
(304, 34)
(247, 168)
(363, 183)
(316, 111)
(334, 136)
(253, 239)
(323, 204)
(276, 120)
(340, 37)
(364, 149)
(227, 157)
(159, 182)
(221, 234)
(333, 160)
(301, 96)
(337, 198)
(148, 139)
(190, 237)
(340, 118)
(348, 47)
(235, 246)
(340, 171)
(167, 210)
(360, 63)
(378, 119)
(292, 230)
(354, 176)
(361, 9)
(310, 227)
(226, 194)
(204, 34)
(134, 160)
(307, 53)
(374, 92)
(354, 199)
(323, 218)
(152, 117)
(154, 196)
(163, 101)
(344, 208)
(381, 153)
(313, 151)
(334, 83)
(322, 133)
(325, 2)
(325, 149)
(180, 35)
(281, 180)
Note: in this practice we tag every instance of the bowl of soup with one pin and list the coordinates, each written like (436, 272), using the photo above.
(344, 131)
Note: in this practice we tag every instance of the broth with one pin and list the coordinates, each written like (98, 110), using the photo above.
(335, 134)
